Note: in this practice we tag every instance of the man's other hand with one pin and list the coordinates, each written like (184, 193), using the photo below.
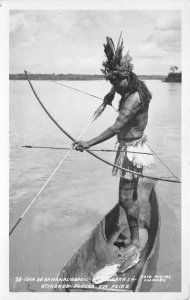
(80, 145)
(109, 98)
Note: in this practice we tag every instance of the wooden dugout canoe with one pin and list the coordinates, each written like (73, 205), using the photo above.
(97, 252)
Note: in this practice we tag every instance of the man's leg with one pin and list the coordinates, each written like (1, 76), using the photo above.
(128, 200)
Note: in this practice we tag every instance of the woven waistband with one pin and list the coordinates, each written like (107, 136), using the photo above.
(132, 141)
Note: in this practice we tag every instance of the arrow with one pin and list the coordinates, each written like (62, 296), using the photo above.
(92, 150)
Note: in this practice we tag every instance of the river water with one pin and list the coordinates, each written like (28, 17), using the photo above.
(82, 191)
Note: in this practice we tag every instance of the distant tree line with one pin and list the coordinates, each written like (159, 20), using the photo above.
(53, 76)
(59, 77)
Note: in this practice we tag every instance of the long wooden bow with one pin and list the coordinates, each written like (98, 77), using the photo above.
(90, 152)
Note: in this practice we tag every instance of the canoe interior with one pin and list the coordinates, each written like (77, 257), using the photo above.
(97, 252)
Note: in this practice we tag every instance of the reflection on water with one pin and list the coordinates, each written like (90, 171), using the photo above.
(82, 190)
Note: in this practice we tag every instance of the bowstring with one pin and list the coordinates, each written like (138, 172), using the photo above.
(161, 162)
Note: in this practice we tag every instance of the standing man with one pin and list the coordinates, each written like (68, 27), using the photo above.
(129, 128)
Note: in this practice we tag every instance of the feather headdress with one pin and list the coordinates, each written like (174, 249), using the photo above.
(116, 65)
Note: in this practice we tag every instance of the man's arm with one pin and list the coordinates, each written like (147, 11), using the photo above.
(110, 96)
(130, 108)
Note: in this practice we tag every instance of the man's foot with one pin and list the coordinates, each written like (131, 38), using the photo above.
(129, 262)
(129, 256)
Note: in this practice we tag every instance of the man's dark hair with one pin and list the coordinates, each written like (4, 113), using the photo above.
(137, 85)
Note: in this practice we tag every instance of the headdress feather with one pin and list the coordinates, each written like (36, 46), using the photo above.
(116, 65)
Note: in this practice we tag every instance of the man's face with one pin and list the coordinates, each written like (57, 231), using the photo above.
(120, 85)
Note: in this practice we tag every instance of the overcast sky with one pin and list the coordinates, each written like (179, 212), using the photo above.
(72, 41)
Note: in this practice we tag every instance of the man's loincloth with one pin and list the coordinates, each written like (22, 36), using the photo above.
(126, 158)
